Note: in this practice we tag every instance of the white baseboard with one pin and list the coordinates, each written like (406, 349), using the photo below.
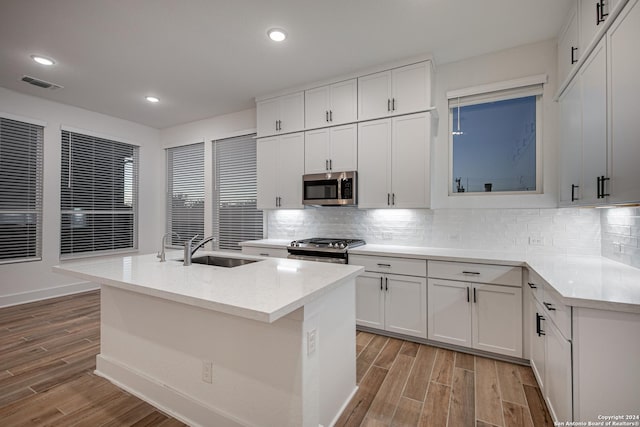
(343, 407)
(41, 294)
(167, 399)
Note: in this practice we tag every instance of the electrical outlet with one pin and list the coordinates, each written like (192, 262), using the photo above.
(617, 247)
(454, 237)
(311, 342)
(536, 241)
(207, 371)
(387, 236)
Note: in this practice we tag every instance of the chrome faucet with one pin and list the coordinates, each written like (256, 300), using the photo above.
(161, 254)
(189, 249)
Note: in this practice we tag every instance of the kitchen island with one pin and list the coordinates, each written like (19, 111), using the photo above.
(271, 343)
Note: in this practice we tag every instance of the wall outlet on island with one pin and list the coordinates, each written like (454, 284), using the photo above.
(311, 342)
(536, 241)
(207, 371)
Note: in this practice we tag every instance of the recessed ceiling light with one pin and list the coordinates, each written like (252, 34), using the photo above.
(152, 99)
(277, 34)
(43, 60)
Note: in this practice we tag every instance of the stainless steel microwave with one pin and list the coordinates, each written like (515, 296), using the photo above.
(329, 189)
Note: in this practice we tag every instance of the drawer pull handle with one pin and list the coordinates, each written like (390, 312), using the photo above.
(471, 272)
(264, 254)
(532, 286)
(384, 265)
(549, 306)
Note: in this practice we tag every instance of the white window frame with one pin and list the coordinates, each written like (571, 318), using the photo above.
(511, 89)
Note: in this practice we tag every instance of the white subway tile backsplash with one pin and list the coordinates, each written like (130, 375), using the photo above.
(621, 235)
(563, 230)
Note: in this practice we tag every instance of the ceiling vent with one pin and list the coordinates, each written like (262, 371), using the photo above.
(40, 83)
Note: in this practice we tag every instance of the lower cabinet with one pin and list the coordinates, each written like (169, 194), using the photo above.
(480, 316)
(551, 348)
(476, 306)
(393, 303)
(390, 296)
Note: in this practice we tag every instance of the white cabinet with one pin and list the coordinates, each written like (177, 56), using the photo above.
(283, 114)
(398, 91)
(598, 125)
(624, 89)
(392, 302)
(482, 316)
(280, 169)
(331, 149)
(593, 13)
(331, 105)
(394, 162)
(568, 49)
(551, 348)
(583, 131)
(265, 251)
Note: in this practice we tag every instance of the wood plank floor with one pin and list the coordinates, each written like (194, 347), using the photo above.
(47, 358)
(407, 384)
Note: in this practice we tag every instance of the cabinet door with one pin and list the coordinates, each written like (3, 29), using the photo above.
(374, 96)
(267, 172)
(497, 319)
(316, 107)
(290, 170)
(316, 151)
(449, 312)
(624, 69)
(568, 45)
(537, 343)
(406, 305)
(411, 88)
(370, 300)
(291, 112)
(410, 178)
(570, 165)
(593, 79)
(343, 148)
(592, 19)
(344, 102)
(267, 112)
(558, 374)
(374, 164)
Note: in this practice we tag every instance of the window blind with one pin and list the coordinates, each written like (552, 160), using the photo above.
(185, 192)
(21, 146)
(99, 195)
(235, 216)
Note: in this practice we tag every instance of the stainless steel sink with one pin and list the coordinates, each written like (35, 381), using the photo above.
(219, 261)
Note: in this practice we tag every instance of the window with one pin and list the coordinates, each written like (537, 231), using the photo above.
(235, 216)
(495, 141)
(20, 190)
(185, 192)
(99, 195)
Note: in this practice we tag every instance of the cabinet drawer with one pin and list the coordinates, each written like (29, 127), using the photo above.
(536, 284)
(405, 266)
(557, 312)
(262, 251)
(477, 273)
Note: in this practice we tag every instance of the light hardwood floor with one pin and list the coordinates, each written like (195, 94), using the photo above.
(47, 358)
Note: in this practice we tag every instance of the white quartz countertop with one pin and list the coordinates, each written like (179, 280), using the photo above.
(581, 281)
(265, 291)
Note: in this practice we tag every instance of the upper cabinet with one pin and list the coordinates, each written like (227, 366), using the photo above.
(568, 50)
(593, 13)
(283, 114)
(393, 162)
(331, 105)
(599, 151)
(398, 91)
(280, 161)
(331, 149)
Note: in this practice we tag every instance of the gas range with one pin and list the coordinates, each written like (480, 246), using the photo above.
(323, 249)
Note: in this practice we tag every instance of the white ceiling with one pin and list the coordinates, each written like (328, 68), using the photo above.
(204, 58)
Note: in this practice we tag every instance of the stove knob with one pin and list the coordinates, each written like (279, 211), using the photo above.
(330, 245)
(341, 245)
(293, 244)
